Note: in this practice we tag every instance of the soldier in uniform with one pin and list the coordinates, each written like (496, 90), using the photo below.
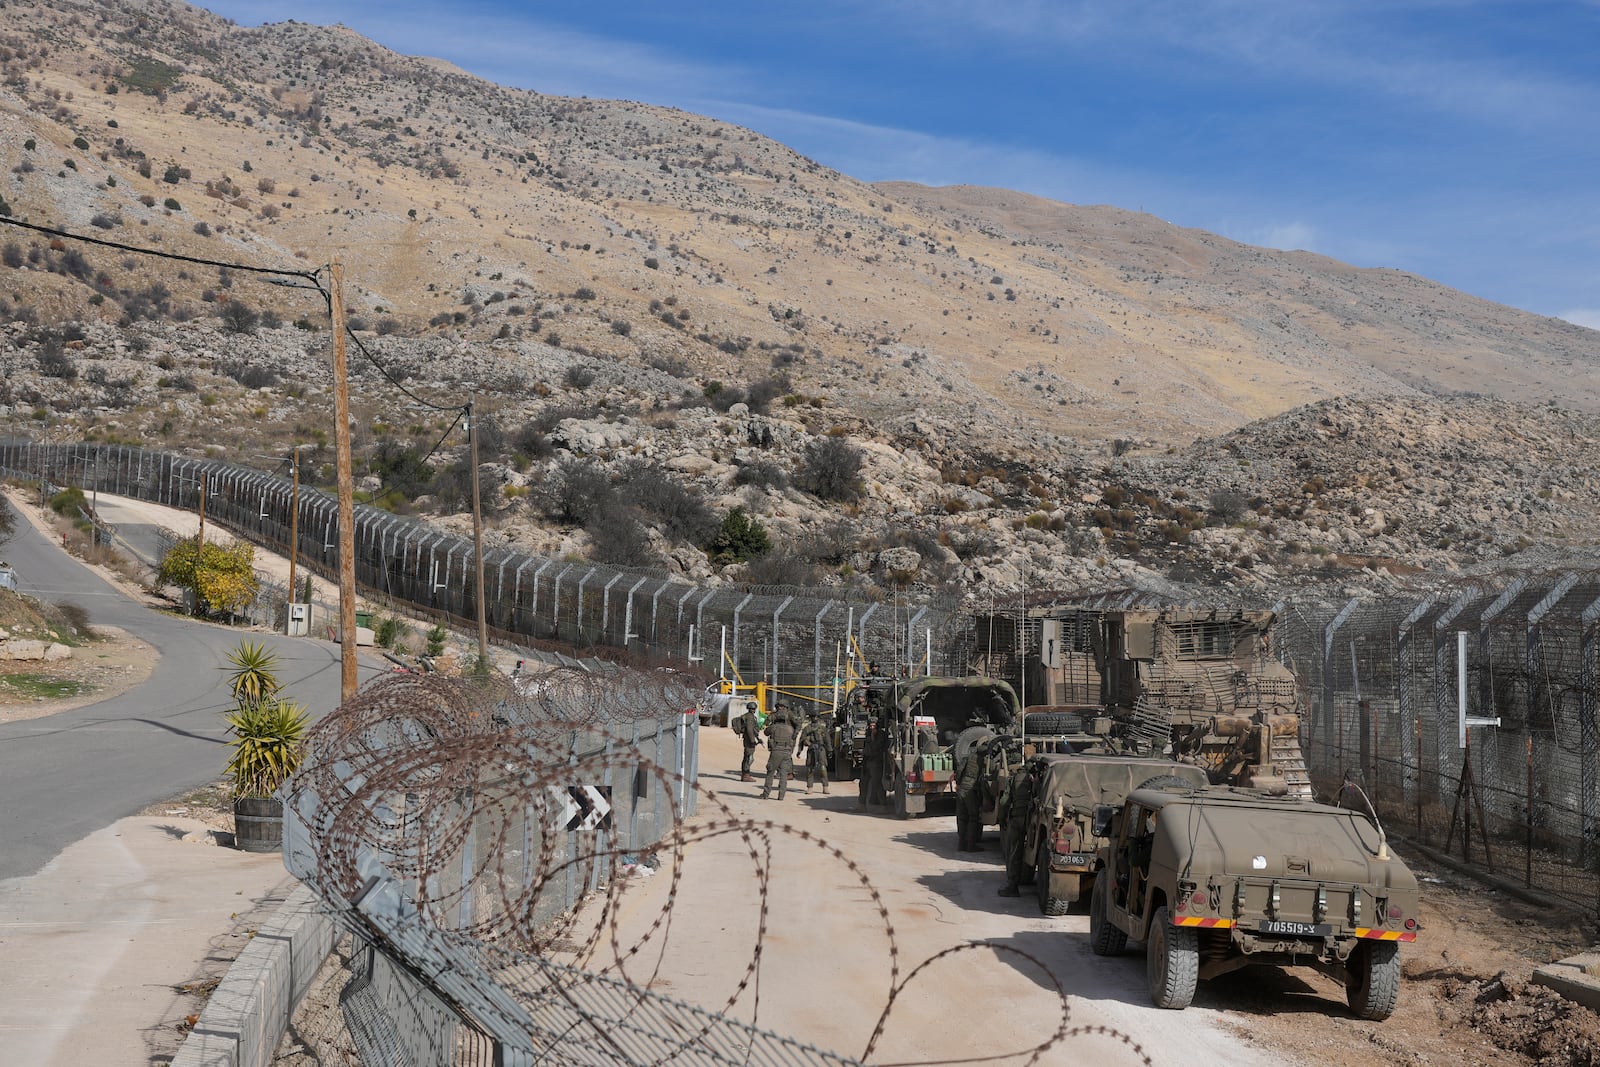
(969, 801)
(814, 739)
(780, 753)
(1016, 804)
(749, 732)
(875, 753)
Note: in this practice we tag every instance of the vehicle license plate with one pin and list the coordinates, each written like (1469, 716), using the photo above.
(1285, 928)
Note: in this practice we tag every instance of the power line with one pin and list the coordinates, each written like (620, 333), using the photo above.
(54, 232)
(309, 275)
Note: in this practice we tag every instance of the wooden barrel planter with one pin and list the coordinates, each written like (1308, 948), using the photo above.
(258, 824)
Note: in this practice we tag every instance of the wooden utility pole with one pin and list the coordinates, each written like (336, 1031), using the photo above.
(477, 539)
(346, 487)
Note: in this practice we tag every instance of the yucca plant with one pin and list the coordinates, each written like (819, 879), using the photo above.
(254, 676)
(268, 745)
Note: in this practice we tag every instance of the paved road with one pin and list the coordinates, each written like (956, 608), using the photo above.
(64, 776)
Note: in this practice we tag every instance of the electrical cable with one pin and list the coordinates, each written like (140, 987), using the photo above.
(54, 232)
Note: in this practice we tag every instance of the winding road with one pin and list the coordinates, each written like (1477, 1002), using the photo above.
(66, 775)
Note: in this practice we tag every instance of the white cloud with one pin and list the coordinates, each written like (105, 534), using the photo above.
(1355, 45)
(1291, 236)
(1589, 317)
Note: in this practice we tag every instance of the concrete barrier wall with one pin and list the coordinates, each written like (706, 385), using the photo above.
(250, 1008)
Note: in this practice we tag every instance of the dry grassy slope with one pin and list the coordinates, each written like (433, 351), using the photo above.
(1120, 325)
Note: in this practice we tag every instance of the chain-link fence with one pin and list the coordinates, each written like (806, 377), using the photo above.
(454, 827)
(1387, 680)
(1393, 680)
(782, 636)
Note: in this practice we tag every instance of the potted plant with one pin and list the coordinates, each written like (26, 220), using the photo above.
(268, 745)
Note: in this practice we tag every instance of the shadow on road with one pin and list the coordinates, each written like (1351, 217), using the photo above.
(160, 726)
(942, 843)
(1121, 978)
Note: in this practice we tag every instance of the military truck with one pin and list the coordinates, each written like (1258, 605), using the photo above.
(1219, 878)
(1061, 835)
(932, 724)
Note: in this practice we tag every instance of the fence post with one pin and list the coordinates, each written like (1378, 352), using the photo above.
(1334, 744)
(1588, 733)
(786, 602)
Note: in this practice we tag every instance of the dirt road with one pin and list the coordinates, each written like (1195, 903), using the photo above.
(823, 973)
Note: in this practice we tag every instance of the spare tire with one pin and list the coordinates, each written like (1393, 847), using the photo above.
(970, 739)
(1053, 722)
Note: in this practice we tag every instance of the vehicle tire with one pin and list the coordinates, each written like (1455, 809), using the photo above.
(1172, 962)
(1045, 723)
(1166, 781)
(1372, 979)
(1044, 883)
(1105, 939)
(970, 738)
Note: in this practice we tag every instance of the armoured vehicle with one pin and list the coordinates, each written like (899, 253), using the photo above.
(1061, 834)
(1215, 879)
(1200, 684)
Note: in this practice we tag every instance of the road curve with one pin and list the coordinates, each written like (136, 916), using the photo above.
(66, 775)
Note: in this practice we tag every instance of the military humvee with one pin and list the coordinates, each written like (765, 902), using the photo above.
(1214, 879)
(1061, 835)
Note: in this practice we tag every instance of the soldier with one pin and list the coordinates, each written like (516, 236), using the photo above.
(969, 801)
(1016, 804)
(875, 753)
(814, 739)
(749, 732)
(780, 753)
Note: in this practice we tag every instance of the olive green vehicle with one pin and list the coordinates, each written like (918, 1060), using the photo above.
(931, 729)
(1216, 879)
(1061, 828)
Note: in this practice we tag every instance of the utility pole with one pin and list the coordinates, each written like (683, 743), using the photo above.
(294, 520)
(200, 538)
(346, 487)
(477, 539)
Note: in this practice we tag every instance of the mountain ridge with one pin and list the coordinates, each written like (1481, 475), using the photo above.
(621, 283)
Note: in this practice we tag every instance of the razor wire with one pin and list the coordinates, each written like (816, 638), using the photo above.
(444, 821)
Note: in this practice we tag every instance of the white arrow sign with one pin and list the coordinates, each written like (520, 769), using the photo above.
(566, 810)
(599, 814)
(581, 806)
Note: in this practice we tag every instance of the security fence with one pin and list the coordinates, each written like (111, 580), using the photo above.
(782, 636)
(1469, 713)
(1387, 681)
(453, 827)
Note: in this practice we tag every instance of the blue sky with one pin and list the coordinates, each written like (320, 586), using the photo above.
(1454, 138)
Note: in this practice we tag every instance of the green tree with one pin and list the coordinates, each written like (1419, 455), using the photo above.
(222, 577)
(740, 537)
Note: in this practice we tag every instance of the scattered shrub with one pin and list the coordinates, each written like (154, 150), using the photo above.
(831, 469)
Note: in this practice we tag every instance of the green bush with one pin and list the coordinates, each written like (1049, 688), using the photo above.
(436, 639)
(389, 632)
(741, 537)
(69, 502)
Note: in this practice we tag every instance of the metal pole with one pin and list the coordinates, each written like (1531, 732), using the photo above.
(294, 517)
(477, 539)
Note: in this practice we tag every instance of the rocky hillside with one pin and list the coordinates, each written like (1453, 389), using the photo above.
(667, 318)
